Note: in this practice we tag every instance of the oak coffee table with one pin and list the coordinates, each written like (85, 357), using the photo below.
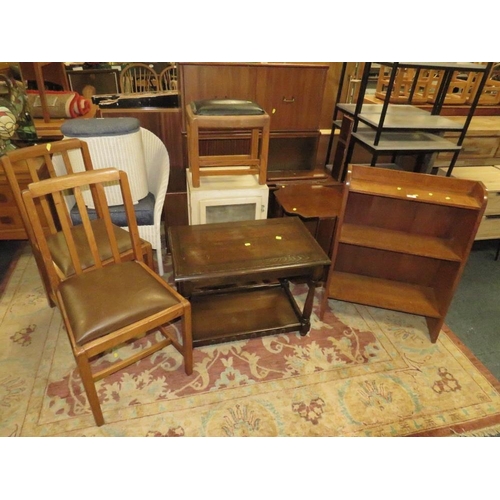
(236, 274)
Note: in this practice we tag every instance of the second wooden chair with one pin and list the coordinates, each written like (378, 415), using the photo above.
(40, 161)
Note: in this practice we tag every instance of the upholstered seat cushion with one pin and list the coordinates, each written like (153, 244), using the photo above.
(99, 127)
(104, 300)
(225, 107)
(144, 213)
(59, 250)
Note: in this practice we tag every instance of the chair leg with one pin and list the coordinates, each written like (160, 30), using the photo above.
(159, 258)
(89, 386)
(187, 339)
(45, 279)
(498, 250)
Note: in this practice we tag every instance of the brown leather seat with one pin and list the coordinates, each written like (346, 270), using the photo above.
(110, 298)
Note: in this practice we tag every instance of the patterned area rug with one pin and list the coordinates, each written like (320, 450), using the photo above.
(360, 372)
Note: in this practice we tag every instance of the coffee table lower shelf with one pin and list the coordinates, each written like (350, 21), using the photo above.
(249, 313)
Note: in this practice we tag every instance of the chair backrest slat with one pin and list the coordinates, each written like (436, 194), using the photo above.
(101, 205)
(131, 217)
(87, 226)
(65, 221)
(67, 163)
(49, 164)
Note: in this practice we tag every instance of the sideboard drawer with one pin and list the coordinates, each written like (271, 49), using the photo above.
(6, 197)
(10, 220)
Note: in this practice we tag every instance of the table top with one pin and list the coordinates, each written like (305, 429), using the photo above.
(243, 248)
(311, 200)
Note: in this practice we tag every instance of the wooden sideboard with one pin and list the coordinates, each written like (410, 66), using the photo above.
(292, 95)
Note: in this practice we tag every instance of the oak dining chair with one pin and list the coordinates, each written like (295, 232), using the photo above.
(113, 304)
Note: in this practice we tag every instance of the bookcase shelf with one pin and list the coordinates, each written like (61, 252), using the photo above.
(386, 294)
(402, 241)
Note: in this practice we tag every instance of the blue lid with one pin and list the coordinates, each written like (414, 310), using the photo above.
(99, 127)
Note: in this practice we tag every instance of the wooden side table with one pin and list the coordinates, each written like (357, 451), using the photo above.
(317, 205)
(236, 274)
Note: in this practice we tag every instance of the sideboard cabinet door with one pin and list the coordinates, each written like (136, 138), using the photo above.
(292, 96)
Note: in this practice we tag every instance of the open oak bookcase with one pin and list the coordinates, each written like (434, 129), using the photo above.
(402, 241)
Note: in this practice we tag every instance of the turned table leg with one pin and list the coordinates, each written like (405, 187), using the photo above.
(308, 305)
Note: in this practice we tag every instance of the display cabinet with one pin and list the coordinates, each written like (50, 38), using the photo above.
(402, 241)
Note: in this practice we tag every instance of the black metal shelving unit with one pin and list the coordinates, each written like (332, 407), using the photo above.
(405, 129)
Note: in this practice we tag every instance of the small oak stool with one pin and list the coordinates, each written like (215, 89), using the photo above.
(232, 117)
